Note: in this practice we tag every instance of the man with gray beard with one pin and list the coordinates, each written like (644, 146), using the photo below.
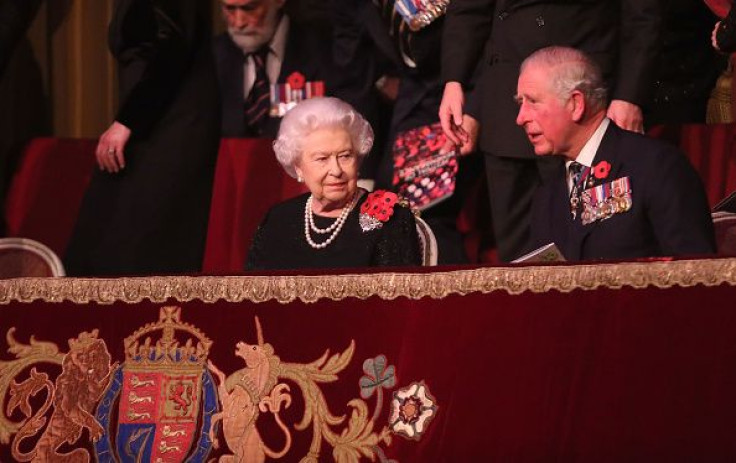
(266, 63)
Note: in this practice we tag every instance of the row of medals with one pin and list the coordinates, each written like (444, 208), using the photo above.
(619, 202)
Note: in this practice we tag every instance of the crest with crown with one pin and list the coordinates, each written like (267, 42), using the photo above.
(144, 352)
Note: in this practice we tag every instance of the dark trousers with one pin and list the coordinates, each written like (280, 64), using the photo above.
(511, 185)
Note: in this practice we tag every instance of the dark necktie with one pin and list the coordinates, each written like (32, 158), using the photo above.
(258, 102)
(397, 27)
(576, 172)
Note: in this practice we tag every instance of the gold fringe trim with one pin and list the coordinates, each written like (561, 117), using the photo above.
(437, 285)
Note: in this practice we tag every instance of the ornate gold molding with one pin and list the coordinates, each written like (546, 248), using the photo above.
(284, 289)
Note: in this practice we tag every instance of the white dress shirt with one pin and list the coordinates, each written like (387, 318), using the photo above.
(587, 154)
(276, 50)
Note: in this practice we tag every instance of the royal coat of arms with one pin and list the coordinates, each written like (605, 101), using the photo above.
(168, 402)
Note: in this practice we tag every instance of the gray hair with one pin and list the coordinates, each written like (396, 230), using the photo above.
(314, 114)
(571, 70)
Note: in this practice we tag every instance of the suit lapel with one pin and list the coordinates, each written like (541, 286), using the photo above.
(379, 31)
(298, 57)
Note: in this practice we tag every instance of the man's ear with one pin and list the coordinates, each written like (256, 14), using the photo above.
(577, 102)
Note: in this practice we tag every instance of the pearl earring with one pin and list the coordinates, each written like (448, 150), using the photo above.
(299, 179)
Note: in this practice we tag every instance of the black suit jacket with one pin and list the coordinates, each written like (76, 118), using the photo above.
(15, 18)
(621, 35)
(669, 215)
(366, 47)
(151, 218)
(306, 52)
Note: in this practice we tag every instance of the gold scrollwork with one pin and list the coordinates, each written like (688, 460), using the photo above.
(437, 285)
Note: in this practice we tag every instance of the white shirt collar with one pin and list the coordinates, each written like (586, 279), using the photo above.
(587, 154)
(276, 52)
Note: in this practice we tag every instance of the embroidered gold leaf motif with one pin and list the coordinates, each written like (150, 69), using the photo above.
(86, 371)
(255, 389)
(26, 355)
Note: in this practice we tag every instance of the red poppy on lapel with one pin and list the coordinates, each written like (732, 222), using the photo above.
(296, 80)
(601, 170)
(379, 205)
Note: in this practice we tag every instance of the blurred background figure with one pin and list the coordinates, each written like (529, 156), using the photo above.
(375, 44)
(687, 66)
(23, 106)
(264, 46)
(146, 210)
(322, 142)
(722, 103)
(622, 36)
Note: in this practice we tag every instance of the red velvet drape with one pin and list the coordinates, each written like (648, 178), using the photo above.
(604, 375)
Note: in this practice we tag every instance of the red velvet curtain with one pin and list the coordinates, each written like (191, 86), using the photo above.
(590, 375)
(248, 181)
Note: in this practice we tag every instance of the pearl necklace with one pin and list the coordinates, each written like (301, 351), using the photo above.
(334, 228)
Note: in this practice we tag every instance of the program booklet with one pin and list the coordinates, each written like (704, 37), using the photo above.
(547, 253)
(423, 174)
(727, 204)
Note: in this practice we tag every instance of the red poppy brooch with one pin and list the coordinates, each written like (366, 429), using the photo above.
(601, 170)
(377, 209)
(296, 80)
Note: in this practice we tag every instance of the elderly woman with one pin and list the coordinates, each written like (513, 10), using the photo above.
(322, 142)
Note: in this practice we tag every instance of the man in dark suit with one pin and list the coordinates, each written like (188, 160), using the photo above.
(264, 46)
(377, 48)
(23, 113)
(619, 194)
(620, 35)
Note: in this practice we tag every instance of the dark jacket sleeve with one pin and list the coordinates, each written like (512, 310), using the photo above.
(15, 18)
(468, 25)
(177, 37)
(640, 30)
(257, 250)
(399, 242)
(678, 210)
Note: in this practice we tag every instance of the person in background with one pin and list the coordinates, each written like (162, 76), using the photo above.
(263, 47)
(620, 194)
(24, 107)
(687, 66)
(621, 35)
(146, 209)
(322, 142)
(375, 44)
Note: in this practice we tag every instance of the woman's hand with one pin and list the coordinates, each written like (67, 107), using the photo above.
(110, 151)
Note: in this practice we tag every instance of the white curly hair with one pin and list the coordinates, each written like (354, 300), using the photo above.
(314, 114)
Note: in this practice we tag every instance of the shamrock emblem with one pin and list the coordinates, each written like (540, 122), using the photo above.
(378, 375)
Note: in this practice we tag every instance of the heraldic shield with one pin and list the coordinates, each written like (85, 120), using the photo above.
(164, 394)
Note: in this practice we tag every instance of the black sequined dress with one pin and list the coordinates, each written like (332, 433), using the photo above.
(279, 242)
